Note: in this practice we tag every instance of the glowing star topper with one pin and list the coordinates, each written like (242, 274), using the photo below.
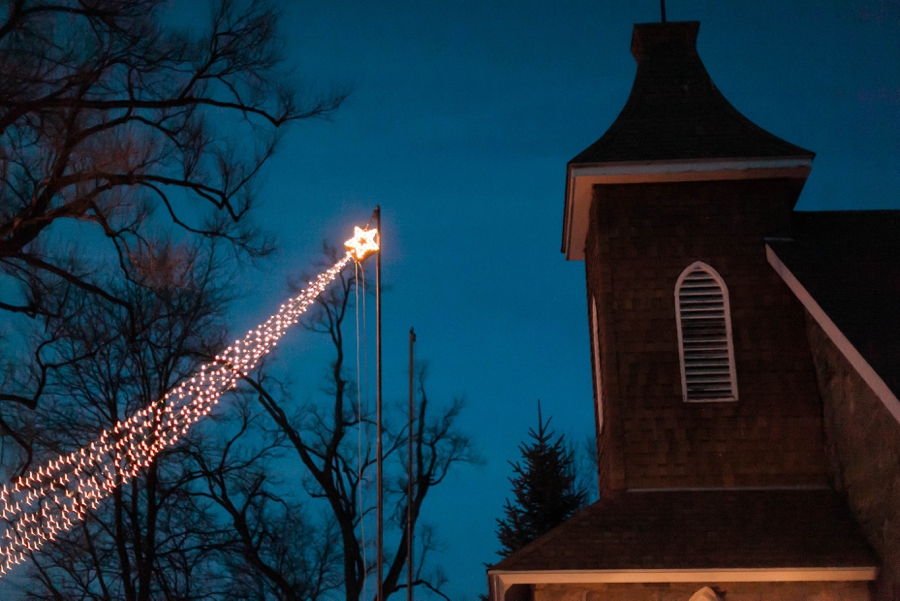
(362, 244)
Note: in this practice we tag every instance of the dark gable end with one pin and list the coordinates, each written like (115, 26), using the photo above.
(848, 262)
(844, 267)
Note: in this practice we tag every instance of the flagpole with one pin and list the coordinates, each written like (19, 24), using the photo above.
(379, 459)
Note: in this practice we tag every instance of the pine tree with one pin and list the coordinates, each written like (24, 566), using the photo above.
(544, 486)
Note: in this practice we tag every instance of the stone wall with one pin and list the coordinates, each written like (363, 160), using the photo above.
(863, 449)
(729, 591)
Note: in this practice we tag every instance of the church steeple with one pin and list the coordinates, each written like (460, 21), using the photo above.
(669, 210)
(712, 462)
(675, 111)
(675, 121)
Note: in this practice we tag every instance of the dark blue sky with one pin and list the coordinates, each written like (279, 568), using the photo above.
(461, 121)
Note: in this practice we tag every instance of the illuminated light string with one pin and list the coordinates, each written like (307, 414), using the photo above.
(50, 499)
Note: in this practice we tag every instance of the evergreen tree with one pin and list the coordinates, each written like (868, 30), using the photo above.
(544, 486)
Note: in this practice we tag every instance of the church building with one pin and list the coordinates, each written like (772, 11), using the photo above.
(745, 361)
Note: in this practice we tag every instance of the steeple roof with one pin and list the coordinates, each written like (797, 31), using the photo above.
(675, 127)
(675, 111)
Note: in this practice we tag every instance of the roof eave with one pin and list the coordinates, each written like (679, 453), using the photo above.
(501, 580)
(582, 177)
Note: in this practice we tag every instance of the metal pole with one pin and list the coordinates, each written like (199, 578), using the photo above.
(662, 9)
(379, 459)
(409, 474)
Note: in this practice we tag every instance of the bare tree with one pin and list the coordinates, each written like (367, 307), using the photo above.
(129, 152)
(326, 437)
(276, 548)
(107, 115)
(164, 534)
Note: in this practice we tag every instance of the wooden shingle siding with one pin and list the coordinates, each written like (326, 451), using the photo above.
(641, 239)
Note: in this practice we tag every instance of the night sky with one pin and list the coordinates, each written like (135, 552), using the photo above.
(461, 120)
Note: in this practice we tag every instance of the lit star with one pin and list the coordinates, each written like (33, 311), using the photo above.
(362, 244)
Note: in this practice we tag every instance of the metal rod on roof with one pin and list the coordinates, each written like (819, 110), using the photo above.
(662, 9)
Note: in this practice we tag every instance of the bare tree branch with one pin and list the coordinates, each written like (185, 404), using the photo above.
(105, 113)
(325, 439)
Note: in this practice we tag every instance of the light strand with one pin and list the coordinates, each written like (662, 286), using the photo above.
(51, 498)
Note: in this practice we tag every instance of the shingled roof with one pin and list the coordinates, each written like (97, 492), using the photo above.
(675, 111)
(848, 263)
(692, 529)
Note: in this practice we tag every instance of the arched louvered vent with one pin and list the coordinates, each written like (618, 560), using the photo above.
(705, 594)
(704, 336)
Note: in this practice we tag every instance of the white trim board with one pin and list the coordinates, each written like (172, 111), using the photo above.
(501, 580)
(846, 348)
(731, 488)
(824, 574)
(581, 179)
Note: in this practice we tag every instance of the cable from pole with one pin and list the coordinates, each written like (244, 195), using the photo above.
(363, 244)
(360, 502)
(379, 459)
(367, 432)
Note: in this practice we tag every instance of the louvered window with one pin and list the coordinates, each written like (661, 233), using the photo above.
(704, 336)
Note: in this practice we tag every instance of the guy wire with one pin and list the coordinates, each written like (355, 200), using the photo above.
(359, 435)
(365, 354)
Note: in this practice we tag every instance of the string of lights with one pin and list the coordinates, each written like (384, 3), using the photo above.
(51, 498)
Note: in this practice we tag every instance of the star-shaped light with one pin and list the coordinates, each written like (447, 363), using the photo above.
(362, 244)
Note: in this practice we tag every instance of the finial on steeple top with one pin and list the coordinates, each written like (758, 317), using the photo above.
(662, 9)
